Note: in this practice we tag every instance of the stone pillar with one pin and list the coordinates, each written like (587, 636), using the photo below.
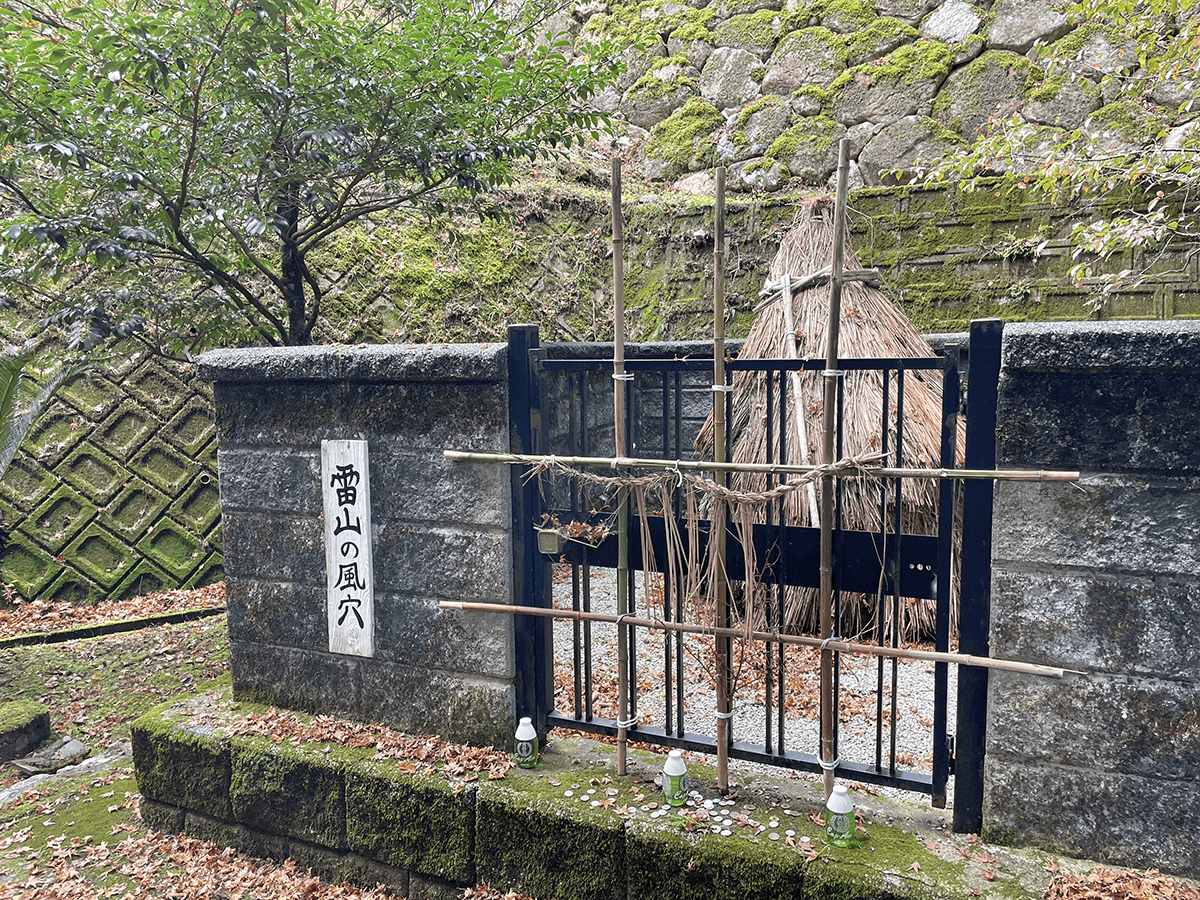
(1104, 577)
(441, 530)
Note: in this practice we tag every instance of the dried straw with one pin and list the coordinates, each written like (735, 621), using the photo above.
(871, 326)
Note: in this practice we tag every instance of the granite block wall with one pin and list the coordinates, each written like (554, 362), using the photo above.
(1101, 577)
(440, 531)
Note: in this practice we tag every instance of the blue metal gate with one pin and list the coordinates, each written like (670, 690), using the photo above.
(554, 412)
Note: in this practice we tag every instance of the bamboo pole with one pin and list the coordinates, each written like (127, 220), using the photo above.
(962, 659)
(798, 411)
(621, 447)
(828, 748)
(719, 534)
(624, 462)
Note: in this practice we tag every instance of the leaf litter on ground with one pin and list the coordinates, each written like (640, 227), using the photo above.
(41, 616)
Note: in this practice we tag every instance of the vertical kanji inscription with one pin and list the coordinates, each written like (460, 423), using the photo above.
(349, 575)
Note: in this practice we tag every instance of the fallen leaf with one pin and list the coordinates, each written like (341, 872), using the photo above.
(915, 866)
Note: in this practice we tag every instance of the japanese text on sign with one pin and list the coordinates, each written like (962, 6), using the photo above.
(349, 576)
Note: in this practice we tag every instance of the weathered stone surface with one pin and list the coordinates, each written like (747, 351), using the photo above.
(1116, 818)
(288, 794)
(459, 708)
(727, 79)
(589, 858)
(877, 40)
(1019, 24)
(23, 725)
(809, 149)
(268, 612)
(432, 417)
(1150, 727)
(1146, 626)
(1123, 126)
(1106, 53)
(1184, 137)
(427, 487)
(444, 562)
(757, 175)
(953, 21)
(805, 57)
(646, 109)
(1115, 399)
(1066, 105)
(660, 860)
(897, 88)
(369, 362)
(908, 11)
(413, 631)
(756, 32)
(161, 816)
(904, 146)
(638, 61)
(314, 681)
(754, 130)
(274, 547)
(278, 414)
(416, 823)
(271, 480)
(181, 766)
(992, 86)
(847, 18)
(1122, 524)
(697, 51)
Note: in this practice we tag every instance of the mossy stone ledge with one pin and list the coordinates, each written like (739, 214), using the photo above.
(347, 815)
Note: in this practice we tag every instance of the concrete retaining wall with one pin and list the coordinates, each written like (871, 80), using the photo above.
(441, 531)
(1103, 577)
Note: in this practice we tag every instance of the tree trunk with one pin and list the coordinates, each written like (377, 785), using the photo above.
(291, 266)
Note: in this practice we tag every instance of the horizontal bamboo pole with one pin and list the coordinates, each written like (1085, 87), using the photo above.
(962, 659)
(777, 469)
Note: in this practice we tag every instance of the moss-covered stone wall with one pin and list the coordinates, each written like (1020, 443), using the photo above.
(114, 493)
(428, 831)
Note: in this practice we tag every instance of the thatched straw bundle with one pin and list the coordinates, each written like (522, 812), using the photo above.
(871, 326)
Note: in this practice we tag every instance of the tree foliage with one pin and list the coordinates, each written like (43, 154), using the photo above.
(169, 168)
(1141, 172)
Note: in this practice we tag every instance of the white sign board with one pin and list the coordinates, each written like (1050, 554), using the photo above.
(349, 573)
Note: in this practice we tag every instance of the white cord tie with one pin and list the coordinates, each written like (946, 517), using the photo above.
(833, 373)
(622, 376)
(626, 723)
(726, 715)
(831, 765)
(724, 388)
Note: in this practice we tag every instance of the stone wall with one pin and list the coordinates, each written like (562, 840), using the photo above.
(440, 529)
(1103, 577)
(114, 493)
(769, 87)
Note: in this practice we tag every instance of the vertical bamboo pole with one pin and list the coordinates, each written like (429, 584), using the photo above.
(721, 587)
(620, 441)
(829, 412)
(799, 413)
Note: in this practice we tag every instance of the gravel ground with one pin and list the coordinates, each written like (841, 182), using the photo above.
(858, 705)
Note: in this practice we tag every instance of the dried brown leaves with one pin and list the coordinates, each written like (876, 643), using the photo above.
(422, 754)
(170, 866)
(1119, 884)
(38, 616)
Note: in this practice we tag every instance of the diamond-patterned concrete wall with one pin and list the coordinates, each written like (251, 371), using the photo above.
(114, 493)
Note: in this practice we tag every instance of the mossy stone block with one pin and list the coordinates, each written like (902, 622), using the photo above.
(181, 765)
(413, 822)
(288, 791)
(23, 724)
(162, 816)
(517, 822)
(669, 864)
